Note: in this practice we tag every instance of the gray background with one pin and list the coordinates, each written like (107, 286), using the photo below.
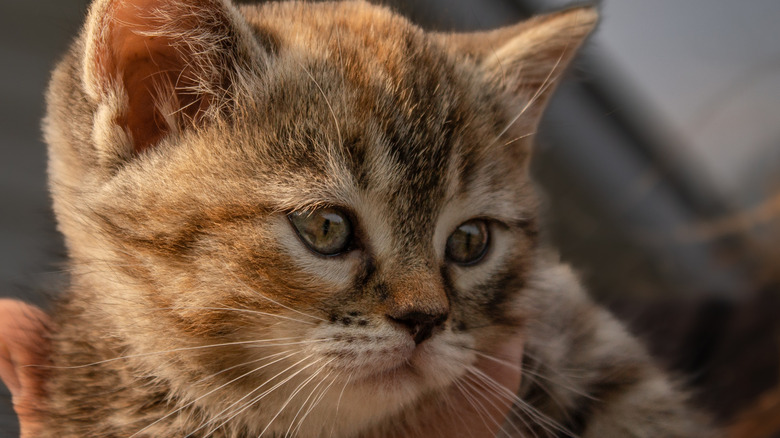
(32, 34)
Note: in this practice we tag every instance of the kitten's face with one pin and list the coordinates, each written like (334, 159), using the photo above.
(353, 215)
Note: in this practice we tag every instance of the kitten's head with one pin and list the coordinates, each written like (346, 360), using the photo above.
(326, 187)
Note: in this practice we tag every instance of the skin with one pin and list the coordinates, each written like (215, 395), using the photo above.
(23, 345)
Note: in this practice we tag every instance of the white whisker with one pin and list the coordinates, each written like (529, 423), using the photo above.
(478, 382)
(288, 354)
(539, 418)
(253, 343)
(472, 383)
(250, 311)
(472, 401)
(247, 405)
(174, 350)
(316, 402)
(305, 402)
(506, 363)
(265, 297)
(295, 392)
(338, 403)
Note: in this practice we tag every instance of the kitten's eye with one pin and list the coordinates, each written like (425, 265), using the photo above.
(469, 242)
(326, 231)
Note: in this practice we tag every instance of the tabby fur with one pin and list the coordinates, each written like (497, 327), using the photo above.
(182, 133)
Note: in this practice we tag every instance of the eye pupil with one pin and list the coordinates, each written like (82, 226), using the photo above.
(468, 243)
(325, 227)
(326, 231)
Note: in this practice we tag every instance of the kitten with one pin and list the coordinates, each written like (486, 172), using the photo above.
(313, 219)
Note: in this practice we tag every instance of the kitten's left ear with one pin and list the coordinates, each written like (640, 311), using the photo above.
(528, 59)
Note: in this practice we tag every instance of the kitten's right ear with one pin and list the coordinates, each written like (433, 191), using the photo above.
(155, 67)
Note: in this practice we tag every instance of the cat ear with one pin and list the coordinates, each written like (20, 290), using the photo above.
(528, 59)
(155, 67)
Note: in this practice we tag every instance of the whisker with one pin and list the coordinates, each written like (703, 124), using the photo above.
(288, 355)
(472, 383)
(492, 403)
(314, 404)
(254, 400)
(261, 396)
(557, 383)
(173, 350)
(539, 418)
(311, 341)
(497, 387)
(454, 412)
(470, 399)
(338, 403)
(305, 402)
(495, 359)
(516, 402)
(233, 309)
(295, 392)
(262, 295)
(562, 377)
(533, 377)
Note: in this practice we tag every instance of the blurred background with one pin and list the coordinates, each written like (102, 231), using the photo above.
(660, 157)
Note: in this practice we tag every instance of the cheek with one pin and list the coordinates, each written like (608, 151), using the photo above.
(264, 265)
(486, 294)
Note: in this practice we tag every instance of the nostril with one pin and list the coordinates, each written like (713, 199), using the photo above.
(419, 324)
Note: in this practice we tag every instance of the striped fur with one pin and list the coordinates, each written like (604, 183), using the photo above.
(181, 135)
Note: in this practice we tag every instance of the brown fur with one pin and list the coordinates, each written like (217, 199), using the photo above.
(181, 135)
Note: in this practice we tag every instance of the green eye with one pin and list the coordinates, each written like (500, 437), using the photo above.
(469, 242)
(326, 231)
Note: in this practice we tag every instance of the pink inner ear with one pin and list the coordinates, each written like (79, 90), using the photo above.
(143, 75)
(152, 69)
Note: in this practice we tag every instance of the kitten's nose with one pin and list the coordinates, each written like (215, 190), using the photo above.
(420, 324)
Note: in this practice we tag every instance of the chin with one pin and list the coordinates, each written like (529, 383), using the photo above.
(381, 386)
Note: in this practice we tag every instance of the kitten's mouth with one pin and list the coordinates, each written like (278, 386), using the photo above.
(397, 370)
(393, 361)
(400, 372)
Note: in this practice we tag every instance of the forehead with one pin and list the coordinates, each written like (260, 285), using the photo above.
(360, 92)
